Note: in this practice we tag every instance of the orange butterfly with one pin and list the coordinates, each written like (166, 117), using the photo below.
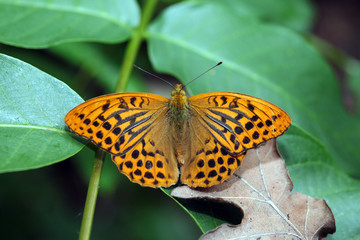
(153, 139)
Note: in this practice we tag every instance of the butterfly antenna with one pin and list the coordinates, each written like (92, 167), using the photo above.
(154, 75)
(219, 63)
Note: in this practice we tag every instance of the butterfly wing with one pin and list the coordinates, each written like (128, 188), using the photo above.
(234, 123)
(238, 121)
(152, 162)
(133, 128)
(205, 162)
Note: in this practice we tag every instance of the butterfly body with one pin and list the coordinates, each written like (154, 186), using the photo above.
(202, 138)
(178, 106)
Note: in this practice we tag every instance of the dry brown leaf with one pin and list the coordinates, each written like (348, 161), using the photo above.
(262, 189)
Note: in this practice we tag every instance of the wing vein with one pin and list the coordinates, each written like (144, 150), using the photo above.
(220, 123)
(210, 125)
(135, 124)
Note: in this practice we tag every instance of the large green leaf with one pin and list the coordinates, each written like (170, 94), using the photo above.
(266, 61)
(273, 63)
(32, 108)
(41, 23)
(297, 15)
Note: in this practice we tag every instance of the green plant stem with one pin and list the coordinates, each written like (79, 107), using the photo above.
(93, 188)
(129, 58)
(133, 46)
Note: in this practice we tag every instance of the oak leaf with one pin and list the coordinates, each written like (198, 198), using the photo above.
(261, 188)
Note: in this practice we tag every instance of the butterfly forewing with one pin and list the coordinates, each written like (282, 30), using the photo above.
(133, 128)
(116, 122)
(239, 122)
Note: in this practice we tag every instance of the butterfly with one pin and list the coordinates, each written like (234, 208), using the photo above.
(155, 141)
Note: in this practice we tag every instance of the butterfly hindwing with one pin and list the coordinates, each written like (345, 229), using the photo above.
(239, 122)
(151, 162)
(207, 163)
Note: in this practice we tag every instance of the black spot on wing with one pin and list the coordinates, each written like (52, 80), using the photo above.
(132, 101)
(123, 104)
(101, 118)
(224, 100)
(105, 106)
(107, 125)
(250, 107)
(214, 101)
(141, 103)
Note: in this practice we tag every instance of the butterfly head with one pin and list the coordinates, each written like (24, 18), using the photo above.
(178, 90)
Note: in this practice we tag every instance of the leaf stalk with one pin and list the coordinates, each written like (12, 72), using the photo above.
(125, 71)
(134, 45)
(91, 197)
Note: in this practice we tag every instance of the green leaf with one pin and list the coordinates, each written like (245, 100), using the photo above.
(32, 108)
(266, 61)
(297, 15)
(273, 63)
(353, 75)
(315, 173)
(102, 62)
(92, 58)
(40, 23)
(202, 212)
